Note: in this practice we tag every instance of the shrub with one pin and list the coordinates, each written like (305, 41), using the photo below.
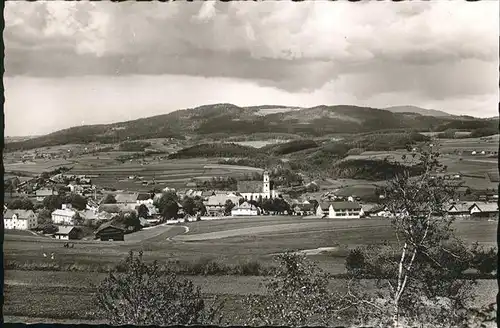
(297, 295)
(250, 268)
(143, 295)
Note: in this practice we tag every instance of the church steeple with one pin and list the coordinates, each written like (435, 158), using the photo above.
(266, 189)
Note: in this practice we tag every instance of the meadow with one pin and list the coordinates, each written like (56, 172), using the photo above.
(34, 297)
(111, 174)
(67, 295)
(230, 241)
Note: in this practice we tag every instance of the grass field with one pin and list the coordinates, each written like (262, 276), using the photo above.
(67, 296)
(30, 295)
(230, 241)
(166, 173)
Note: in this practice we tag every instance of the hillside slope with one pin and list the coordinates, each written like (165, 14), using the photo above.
(417, 110)
(226, 120)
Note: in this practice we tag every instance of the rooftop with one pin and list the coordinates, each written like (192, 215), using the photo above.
(340, 205)
(250, 186)
(66, 212)
(21, 214)
(64, 230)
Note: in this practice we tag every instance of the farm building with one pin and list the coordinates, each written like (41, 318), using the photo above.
(133, 198)
(339, 210)
(377, 210)
(89, 215)
(42, 193)
(460, 210)
(65, 215)
(20, 219)
(304, 208)
(484, 210)
(246, 209)
(67, 233)
(108, 231)
(216, 204)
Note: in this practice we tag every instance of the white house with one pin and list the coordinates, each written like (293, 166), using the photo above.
(216, 204)
(245, 209)
(339, 210)
(20, 219)
(64, 216)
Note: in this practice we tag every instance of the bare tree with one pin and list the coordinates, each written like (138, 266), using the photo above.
(420, 275)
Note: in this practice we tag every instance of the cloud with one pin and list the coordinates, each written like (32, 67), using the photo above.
(394, 53)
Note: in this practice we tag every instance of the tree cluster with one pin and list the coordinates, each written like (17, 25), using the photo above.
(134, 145)
(219, 183)
(21, 204)
(53, 202)
(168, 205)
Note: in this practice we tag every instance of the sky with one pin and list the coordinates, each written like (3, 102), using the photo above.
(75, 63)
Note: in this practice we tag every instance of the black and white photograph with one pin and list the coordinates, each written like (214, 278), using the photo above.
(251, 163)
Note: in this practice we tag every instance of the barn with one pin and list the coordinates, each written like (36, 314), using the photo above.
(108, 231)
(67, 233)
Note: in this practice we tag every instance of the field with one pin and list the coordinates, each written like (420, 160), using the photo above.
(68, 295)
(30, 295)
(474, 168)
(166, 173)
(35, 167)
(112, 174)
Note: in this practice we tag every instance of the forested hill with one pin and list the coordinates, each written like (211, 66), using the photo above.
(231, 120)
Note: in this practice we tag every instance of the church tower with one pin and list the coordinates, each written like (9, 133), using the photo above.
(266, 187)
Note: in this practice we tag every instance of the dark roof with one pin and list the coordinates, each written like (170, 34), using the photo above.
(346, 205)
(304, 207)
(143, 196)
(376, 208)
(109, 225)
(250, 186)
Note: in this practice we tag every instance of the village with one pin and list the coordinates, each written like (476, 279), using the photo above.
(71, 207)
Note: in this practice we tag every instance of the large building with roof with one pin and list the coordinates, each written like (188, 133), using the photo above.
(64, 216)
(339, 210)
(20, 219)
(253, 190)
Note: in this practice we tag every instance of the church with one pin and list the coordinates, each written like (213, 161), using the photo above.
(253, 190)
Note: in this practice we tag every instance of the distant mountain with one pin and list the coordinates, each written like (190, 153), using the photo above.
(418, 110)
(8, 139)
(219, 121)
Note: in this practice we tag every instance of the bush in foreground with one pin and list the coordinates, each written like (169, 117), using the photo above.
(143, 295)
(297, 295)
